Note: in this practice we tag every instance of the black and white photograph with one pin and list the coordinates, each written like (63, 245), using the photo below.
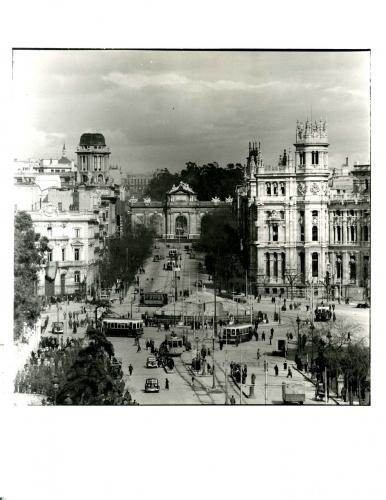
(192, 227)
(192, 280)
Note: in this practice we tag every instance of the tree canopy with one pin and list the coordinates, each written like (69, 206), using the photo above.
(123, 256)
(28, 260)
(221, 243)
(207, 181)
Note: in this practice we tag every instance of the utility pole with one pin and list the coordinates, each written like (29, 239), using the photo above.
(241, 378)
(265, 381)
(214, 331)
(226, 375)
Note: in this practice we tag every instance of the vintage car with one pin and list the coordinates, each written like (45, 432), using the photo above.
(58, 327)
(151, 385)
(151, 362)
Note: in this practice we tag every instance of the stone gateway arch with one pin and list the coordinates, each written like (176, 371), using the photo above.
(179, 217)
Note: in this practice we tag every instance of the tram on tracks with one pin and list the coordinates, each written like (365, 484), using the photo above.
(122, 327)
(237, 333)
(322, 313)
(153, 299)
(174, 344)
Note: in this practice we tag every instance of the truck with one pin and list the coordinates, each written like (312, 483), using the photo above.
(293, 393)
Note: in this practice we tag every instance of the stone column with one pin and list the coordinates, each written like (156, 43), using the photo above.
(279, 268)
(271, 266)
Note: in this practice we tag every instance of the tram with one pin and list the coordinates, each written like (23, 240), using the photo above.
(240, 333)
(174, 344)
(173, 254)
(122, 327)
(322, 313)
(153, 299)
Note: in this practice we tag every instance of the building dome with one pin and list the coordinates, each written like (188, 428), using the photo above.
(92, 139)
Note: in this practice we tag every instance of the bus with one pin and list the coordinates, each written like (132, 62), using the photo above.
(154, 299)
(122, 327)
(242, 332)
(322, 313)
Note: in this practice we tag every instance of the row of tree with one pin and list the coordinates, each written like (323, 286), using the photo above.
(339, 351)
(29, 256)
(124, 255)
(220, 241)
(207, 181)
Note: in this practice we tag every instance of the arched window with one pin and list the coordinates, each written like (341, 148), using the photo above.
(268, 188)
(315, 265)
(77, 277)
(366, 233)
(282, 188)
(314, 233)
(283, 265)
(275, 192)
(339, 267)
(352, 233)
(338, 233)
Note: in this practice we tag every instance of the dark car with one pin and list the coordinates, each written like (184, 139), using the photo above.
(363, 305)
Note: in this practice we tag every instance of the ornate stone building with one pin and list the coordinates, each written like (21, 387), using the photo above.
(288, 215)
(179, 217)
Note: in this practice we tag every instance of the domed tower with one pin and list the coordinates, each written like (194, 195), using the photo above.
(254, 163)
(93, 159)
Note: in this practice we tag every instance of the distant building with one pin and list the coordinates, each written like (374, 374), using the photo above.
(137, 183)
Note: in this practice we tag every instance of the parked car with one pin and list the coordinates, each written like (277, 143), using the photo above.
(363, 305)
(151, 385)
(58, 327)
(151, 362)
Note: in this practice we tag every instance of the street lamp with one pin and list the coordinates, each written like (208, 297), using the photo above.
(312, 328)
(55, 385)
(298, 323)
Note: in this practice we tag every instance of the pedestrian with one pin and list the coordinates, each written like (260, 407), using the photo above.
(333, 317)
(258, 354)
(270, 340)
(74, 330)
(272, 332)
(139, 347)
(167, 383)
(289, 374)
(192, 381)
(233, 400)
(263, 336)
(276, 368)
(285, 365)
(130, 369)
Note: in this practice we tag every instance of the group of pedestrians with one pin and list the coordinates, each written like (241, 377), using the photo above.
(285, 368)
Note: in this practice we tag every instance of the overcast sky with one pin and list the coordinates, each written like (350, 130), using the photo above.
(161, 109)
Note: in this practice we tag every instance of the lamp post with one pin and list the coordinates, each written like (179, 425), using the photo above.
(55, 386)
(298, 323)
(312, 328)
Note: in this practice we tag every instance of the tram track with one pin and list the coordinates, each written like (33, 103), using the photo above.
(231, 384)
(186, 379)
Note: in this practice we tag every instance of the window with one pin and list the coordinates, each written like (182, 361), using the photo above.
(302, 158)
(49, 232)
(314, 213)
(314, 233)
(268, 188)
(275, 265)
(315, 265)
(366, 233)
(315, 157)
(77, 276)
(353, 269)
(76, 253)
(63, 254)
(282, 214)
(339, 267)
(77, 232)
(352, 233)
(49, 255)
(302, 232)
(275, 232)
(60, 206)
(275, 192)
(267, 265)
(283, 267)
(282, 188)
(338, 233)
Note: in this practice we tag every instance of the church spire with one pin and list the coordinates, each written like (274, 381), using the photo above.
(64, 150)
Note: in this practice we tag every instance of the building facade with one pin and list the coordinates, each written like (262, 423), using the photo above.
(74, 246)
(287, 216)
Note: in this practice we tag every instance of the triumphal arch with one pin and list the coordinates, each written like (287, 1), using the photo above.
(178, 217)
